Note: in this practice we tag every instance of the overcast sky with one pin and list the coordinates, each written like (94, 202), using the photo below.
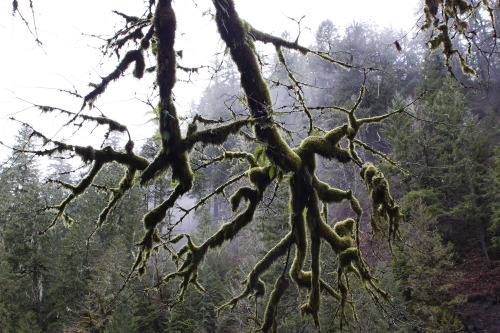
(69, 57)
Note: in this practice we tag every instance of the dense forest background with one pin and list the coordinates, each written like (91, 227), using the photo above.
(445, 277)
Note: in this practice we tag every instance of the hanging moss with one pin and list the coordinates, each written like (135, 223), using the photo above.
(195, 254)
(140, 66)
(270, 323)
(428, 19)
(314, 221)
(189, 269)
(260, 177)
(383, 205)
(356, 207)
(254, 286)
(326, 145)
(433, 6)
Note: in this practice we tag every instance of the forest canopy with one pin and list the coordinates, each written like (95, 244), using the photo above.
(277, 147)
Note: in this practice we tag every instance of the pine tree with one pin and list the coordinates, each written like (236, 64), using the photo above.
(26, 251)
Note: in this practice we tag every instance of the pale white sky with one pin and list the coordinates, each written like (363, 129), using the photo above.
(69, 58)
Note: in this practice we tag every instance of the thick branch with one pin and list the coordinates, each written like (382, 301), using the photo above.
(234, 33)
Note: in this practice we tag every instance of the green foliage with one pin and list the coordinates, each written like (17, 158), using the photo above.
(9, 289)
(447, 150)
(495, 217)
(425, 264)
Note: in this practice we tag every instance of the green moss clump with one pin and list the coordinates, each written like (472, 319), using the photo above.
(383, 205)
(243, 193)
(344, 228)
(338, 241)
(326, 145)
(433, 6)
(356, 207)
(87, 154)
(260, 177)
(428, 19)
(367, 172)
(140, 66)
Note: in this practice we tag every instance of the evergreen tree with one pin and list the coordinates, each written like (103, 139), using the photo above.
(26, 251)
(425, 264)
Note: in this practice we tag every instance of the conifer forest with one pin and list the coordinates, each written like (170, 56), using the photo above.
(350, 183)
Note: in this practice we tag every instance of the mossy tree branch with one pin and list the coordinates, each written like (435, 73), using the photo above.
(195, 254)
(234, 33)
(304, 198)
(308, 227)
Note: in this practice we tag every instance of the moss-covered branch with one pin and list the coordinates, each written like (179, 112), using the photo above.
(229, 155)
(125, 185)
(113, 125)
(169, 128)
(314, 221)
(164, 24)
(276, 41)
(217, 135)
(130, 57)
(136, 56)
(383, 205)
(254, 286)
(280, 42)
(270, 322)
(235, 34)
(326, 146)
(105, 155)
(194, 254)
(77, 190)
